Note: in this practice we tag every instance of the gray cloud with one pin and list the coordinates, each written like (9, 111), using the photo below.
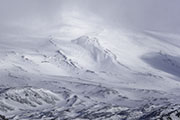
(139, 14)
(160, 15)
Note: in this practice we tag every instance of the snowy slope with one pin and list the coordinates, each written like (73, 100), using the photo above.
(85, 73)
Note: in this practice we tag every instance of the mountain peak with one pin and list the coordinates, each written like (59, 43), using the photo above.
(86, 41)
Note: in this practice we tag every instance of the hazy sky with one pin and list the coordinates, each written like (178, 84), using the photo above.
(160, 15)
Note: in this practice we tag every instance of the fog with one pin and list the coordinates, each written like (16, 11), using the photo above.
(159, 15)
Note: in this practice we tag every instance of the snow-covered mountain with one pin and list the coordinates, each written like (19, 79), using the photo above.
(81, 71)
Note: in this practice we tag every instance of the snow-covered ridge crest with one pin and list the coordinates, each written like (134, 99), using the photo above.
(23, 98)
(103, 59)
(86, 41)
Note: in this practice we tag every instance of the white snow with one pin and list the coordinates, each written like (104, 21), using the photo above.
(85, 71)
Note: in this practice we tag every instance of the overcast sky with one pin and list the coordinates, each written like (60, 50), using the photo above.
(161, 15)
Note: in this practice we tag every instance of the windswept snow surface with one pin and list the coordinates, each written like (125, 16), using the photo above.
(81, 73)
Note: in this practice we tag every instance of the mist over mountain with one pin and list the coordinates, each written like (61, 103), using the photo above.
(89, 60)
(159, 15)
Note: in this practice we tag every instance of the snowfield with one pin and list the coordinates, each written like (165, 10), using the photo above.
(81, 73)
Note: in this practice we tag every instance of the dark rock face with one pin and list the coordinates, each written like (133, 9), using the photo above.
(3, 117)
